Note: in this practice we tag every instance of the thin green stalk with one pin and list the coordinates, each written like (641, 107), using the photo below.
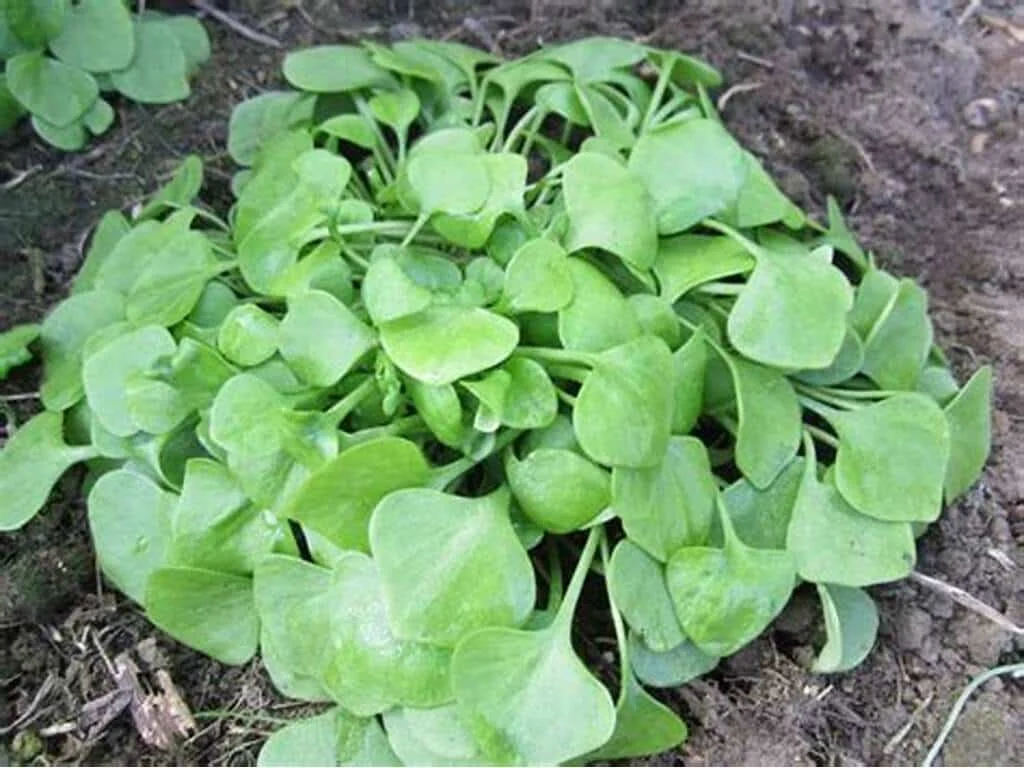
(849, 394)
(1015, 670)
(337, 412)
(552, 355)
(822, 436)
(556, 581)
(620, 627)
(517, 130)
(444, 476)
(579, 576)
(815, 400)
(721, 289)
(659, 91)
(565, 397)
(416, 227)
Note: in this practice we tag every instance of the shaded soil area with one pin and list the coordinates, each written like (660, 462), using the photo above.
(911, 116)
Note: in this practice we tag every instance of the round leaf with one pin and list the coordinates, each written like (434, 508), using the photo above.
(559, 490)
(636, 582)
(158, 72)
(97, 36)
(50, 89)
(450, 565)
(321, 338)
(333, 69)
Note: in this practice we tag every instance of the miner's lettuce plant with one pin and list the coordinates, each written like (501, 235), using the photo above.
(471, 325)
(95, 47)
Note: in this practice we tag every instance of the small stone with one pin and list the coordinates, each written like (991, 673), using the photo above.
(981, 113)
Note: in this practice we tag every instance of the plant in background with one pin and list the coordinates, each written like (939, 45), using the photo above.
(59, 57)
(471, 325)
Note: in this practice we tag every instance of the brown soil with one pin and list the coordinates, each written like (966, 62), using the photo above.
(914, 121)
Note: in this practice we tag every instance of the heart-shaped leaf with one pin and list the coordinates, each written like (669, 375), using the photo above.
(334, 69)
(466, 570)
(896, 347)
(623, 414)
(669, 506)
(333, 738)
(158, 73)
(97, 36)
(538, 278)
(210, 611)
(724, 598)
(248, 335)
(558, 489)
(833, 543)
(892, 457)
(321, 338)
(692, 170)
(598, 317)
(431, 737)
(50, 89)
(520, 394)
(130, 523)
(338, 499)
(446, 343)
(609, 209)
(672, 668)
(636, 582)
(689, 364)
(761, 517)
(687, 261)
(256, 120)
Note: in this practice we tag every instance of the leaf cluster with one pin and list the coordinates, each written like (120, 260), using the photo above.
(61, 59)
(470, 324)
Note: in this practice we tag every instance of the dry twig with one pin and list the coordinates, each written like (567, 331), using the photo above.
(235, 25)
(967, 600)
(738, 88)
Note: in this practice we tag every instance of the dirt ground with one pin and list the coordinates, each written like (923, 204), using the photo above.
(909, 114)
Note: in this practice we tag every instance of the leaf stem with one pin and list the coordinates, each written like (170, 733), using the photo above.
(620, 627)
(341, 409)
(579, 575)
(443, 476)
(557, 356)
(556, 581)
(818, 401)
(659, 91)
(517, 130)
(822, 436)
(721, 289)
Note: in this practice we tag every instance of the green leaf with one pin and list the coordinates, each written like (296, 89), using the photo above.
(106, 374)
(31, 462)
(769, 421)
(390, 294)
(431, 737)
(834, 543)
(97, 36)
(791, 312)
(62, 339)
(99, 118)
(761, 202)
(760, 516)
(598, 317)
(70, 138)
(333, 738)
(657, 318)
(839, 235)
(170, 285)
(396, 109)
(14, 346)
(158, 72)
(507, 682)
(851, 621)
(847, 364)
(130, 523)
(519, 393)
(354, 129)
(50, 89)
(643, 725)
(506, 174)
(624, 410)
(689, 364)
(210, 611)
(111, 228)
(191, 36)
(215, 526)
(609, 208)
(139, 248)
(558, 489)
(595, 58)
(725, 598)
(636, 582)
(672, 668)
(874, 295)
(11, 110)
(450, 565)
(248, 335)
(669, 505)
(440, 408)
(446, 343)
(892, 457)
(338, 499)
(344, 633)
(179, 192)
(334, 69)
(321, 338)
(692, 170)
(447, 183)
(256, 120)
(35, 22)
(537, 278)
(897, 346)
(970, 430)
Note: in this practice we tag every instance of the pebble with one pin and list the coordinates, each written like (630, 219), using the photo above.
(981, 113)
(912, 627)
